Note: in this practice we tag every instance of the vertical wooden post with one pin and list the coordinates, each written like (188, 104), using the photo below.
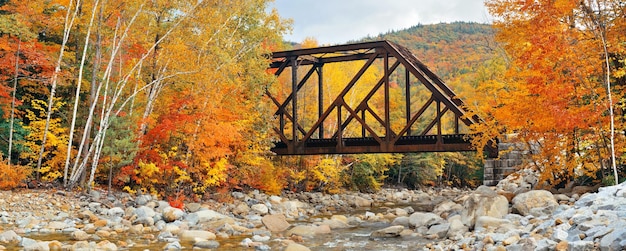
(320, 97)
(294, 99)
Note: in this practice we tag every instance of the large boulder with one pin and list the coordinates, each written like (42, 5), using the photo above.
(535, 202)
(419, 219)
(275, 222)
(483, 202)
(388, 232)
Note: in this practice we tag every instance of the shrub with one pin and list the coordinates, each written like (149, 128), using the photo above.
(11, 176)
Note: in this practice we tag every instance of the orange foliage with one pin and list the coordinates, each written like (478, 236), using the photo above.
(12, 176)
(550, 95)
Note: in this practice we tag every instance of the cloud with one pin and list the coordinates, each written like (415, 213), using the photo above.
(336, 22)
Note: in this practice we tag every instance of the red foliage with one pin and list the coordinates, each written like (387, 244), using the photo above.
(177, 201)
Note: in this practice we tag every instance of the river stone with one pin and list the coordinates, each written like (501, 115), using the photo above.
(79, 235)
(446, 208)
(146, 221)
(580, 246)
(440, 230)
(173, 246)
(115, 212)
(296, 247)
(57, 225)
(9, 236)
(53, 245)
(401, 221)
(359, 201)
(192, 207)
(144, 211)
(323, 229)
(171, 214)
(340, 217)
(206, 245)
(275, 222)
(208, 215)
(242, 208)
(488, 222)
(388, 232)
(457, 228)
(524, 244)
(419, 219)
(302, 230)
(197, 234)
(615, 240)
(524, 203)
(106, 245)
(483, 202)
(336, 224)
(143, 199)
(26, 242)
(260, 209)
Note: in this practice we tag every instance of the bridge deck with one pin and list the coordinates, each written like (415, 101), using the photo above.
(404, 144)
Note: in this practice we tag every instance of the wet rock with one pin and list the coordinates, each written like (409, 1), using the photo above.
(9, 236)
(260, 238)
(536, 202)
(197, 234)
(28, 242)
(173, 246)
(79, 235)
(419, 219)
(401, 221)
(388, 232)
(439, 230)
(206, 244)
(275, 223)
(322, 229)
(336, 224)
(296, 247)
(483, 202)
(302, 230)
(55, 245)
(106, 245)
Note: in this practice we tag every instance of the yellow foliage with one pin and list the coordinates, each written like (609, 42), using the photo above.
(53, 157)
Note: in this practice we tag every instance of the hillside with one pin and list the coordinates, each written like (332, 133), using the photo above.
(447, 49)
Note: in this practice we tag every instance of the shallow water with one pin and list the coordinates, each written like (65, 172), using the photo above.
(356, 238)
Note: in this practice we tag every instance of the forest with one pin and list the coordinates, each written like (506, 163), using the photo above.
(167, 97)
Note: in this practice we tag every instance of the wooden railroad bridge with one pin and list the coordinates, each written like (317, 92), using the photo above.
(372, 124)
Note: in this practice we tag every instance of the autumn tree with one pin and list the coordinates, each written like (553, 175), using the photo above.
(552, 97)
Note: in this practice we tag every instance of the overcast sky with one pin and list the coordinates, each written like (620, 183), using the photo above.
(338, 21)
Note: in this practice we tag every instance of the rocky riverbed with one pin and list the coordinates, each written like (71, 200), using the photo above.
(510, 216)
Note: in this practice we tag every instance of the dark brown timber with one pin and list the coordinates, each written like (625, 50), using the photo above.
(413, 132)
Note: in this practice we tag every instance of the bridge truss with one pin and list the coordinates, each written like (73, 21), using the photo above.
(438, 123)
